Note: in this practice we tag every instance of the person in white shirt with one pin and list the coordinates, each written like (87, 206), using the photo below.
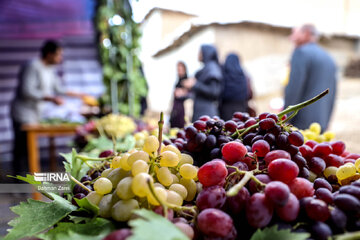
(38, 85)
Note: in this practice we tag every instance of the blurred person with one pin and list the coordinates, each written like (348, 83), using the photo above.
(177, 116)
(38, 85)
(235, 93)
(312, 71)
(206, 86)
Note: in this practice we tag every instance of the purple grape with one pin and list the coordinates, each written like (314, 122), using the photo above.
(211, 197)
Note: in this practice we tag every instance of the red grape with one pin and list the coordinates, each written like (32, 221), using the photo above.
(296, 138)
(322, 183)
(250, 122)
(230, 126)
(233, 151)
(212, 173)
(264, 178)
(290, 211)
(317, 210)
(348, 203)
(317, 165)
(267, 123)
(263, 115)
(311, 143)
(259, 210)
(276, 154)
(214, 222)
(354, 156)
(322, 149)
(200, 125)
(106, 153)
(306, 151)
(261, 148)
(338, 147)
(211, 197)
(273, 116)
(277, 192)
(301, 188)
(190, 132)
(121, 234)
(204, 118)
(324, 194)
(237, 203)
(283, 170)
(160, 210)
(299, 160)
(334, 160)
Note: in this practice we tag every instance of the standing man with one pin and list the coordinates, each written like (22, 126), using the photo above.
(38, 85)
(312, 71)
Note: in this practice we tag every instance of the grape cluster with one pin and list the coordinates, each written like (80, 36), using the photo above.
(142, 179)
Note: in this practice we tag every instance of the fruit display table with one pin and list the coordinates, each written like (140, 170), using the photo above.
(38, 130)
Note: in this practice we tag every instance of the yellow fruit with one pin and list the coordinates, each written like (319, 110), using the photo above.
(172, 148)
(174, 198)
(161, 193)
(139, 184)
(180, 189)
(329, 135)
(345, 171)
(90, 100)
(123, 162)
(103, 186)
(139, 166)
(164, 176)
(315, 127)
(169, 159)
(186, 158)
(357, 164)
(140, 155)
(151, 145)
(115, 163)
(329, 171)
(188, 171)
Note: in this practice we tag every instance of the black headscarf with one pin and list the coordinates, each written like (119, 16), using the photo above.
(234, 83)
(212, 69)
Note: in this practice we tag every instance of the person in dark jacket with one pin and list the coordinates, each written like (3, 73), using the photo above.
(312, 71)
(177, 117)
(206, 86)
(234, 97)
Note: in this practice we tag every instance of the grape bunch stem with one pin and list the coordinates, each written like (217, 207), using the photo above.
(292, 108)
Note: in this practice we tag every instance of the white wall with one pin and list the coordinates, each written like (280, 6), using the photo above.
(161, 74)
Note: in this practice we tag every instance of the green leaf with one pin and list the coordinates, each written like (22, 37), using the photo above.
(151, 226)
(74, 166)
(128, 143)
(84, 204)
(271, 233)
(96, 229)
(37, 216)
(79, 219)
(348, 236)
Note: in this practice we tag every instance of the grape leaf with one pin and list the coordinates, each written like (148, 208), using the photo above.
(273, 232)
(84, 204)
(37, 216)
(74, 166)
(151, 226)
(95, 229)
(79, 219)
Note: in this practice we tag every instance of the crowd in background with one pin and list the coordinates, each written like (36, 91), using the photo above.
(222, 89)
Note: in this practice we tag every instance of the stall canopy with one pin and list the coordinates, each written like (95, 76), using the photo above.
(24, 25)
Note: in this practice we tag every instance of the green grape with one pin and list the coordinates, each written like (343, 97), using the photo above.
(139, 184)
(186, 158)
(180, 189)
(174, 198)
(175, 178)
(158, 185)
(94, 197)
(190, 186)
(345, 171)
(105, 206)
(169, 159)
(116, 175)
(357, 164)
(123, 189)
(315, 127)
(188, 171)
(173, 149)
(164, 176)
(139, 166)
(123, 162)
(161, 193)
(106, 172)
(122, 210)
(103, 186)
(329, 171)
(115, 163)
(151, 144)
(140, 155)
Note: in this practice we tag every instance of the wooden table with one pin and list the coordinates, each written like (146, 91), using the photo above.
(41, 130)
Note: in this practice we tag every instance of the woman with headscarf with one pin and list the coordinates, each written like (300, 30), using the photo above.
(234, 97)
(206, 86)
(177, 116)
